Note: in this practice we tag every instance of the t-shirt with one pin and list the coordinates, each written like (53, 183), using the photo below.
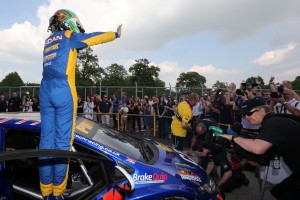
(184, 110)
(279, 108)
(284, 134)
(124, 111)
(105, 106)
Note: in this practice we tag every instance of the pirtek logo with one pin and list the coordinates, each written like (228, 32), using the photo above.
(53, 39)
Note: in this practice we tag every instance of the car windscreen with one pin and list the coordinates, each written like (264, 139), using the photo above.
(133, 147)
(119, 142)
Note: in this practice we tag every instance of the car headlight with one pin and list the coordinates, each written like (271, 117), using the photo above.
(209, 187)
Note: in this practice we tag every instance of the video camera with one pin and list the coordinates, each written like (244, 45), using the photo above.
(278, 94)
(238, 151)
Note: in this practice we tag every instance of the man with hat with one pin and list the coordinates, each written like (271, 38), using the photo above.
(276, 131)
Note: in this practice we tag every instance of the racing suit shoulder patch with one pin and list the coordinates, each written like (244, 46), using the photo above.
(68, 33)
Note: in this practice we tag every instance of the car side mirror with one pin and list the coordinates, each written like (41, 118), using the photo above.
(127, 186)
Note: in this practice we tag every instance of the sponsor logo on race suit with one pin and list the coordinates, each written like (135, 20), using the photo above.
(53, 39)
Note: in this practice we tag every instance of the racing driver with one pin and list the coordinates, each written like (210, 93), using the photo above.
(58, 97)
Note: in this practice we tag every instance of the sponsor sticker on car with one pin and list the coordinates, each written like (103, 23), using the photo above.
(150, 178)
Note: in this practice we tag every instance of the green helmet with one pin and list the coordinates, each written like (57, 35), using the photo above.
(65, 20)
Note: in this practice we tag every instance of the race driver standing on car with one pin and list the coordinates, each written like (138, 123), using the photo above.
(58, 97)
(182, 120)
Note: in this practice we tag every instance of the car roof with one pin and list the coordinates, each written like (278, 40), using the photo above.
(35, 116)
(84, 127)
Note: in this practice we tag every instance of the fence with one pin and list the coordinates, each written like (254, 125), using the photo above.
(131, 91)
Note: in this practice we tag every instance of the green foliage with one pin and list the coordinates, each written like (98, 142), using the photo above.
(190, 79)
(296, 83)
(13, 80)
(252, 79)
(88, 70)
(115, 75)
(219, 84)
(143, 73)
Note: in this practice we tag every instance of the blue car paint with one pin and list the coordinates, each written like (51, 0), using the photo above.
(166, 180)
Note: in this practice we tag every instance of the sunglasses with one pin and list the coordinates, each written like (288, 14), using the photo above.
(251, 112)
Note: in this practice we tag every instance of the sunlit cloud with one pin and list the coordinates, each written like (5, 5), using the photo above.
(276, 56)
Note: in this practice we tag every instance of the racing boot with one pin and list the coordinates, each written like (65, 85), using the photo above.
(50, 197)
(58, 197)
(67, 193)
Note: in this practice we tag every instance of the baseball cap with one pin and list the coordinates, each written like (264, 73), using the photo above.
(250, 104)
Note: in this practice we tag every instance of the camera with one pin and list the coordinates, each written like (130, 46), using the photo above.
(275, 95)
(280, 89)
(240, 92)
(216, 144)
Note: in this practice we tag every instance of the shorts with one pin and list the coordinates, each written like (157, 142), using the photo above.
(288, 188)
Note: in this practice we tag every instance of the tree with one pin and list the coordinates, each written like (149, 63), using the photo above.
(252, 79)
(296, 83)
(143, 73)
(190, 79)
(115, 75)
(88, 71)
(12, 79)
(219, 84)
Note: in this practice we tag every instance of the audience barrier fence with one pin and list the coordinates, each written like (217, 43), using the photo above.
(118, 117)
(155, 118)
(131, 91)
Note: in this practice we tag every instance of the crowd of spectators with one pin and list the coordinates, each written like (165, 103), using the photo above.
(17, 104)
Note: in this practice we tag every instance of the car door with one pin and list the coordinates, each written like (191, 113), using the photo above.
(90, 173)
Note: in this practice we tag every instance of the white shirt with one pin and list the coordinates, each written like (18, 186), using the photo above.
(124, 111)
(197, 109)
(279, 108)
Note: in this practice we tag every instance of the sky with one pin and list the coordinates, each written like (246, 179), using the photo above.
(222, 40)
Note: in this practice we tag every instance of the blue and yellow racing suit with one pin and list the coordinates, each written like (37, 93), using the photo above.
(58, 102)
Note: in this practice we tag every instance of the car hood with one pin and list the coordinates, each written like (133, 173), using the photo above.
(179, 165)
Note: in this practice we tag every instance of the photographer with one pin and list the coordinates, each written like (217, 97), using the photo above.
(211, 154)
(276, 131)
(27, 103)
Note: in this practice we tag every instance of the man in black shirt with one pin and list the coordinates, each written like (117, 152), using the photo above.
(212, 155)
(280, 132)
(105, 110)
(14, 103)
(3, 104)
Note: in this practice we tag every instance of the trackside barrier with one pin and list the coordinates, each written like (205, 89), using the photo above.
(118, 116)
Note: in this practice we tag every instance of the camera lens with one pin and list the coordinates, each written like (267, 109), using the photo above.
(275, 95)
(280, 89)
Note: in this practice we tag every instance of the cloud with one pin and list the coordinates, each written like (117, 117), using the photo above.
(21, 43)
(149, 26)
(169, 72)
(212, 74)
(276, 56)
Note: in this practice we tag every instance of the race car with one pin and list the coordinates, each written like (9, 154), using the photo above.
(104, 164)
